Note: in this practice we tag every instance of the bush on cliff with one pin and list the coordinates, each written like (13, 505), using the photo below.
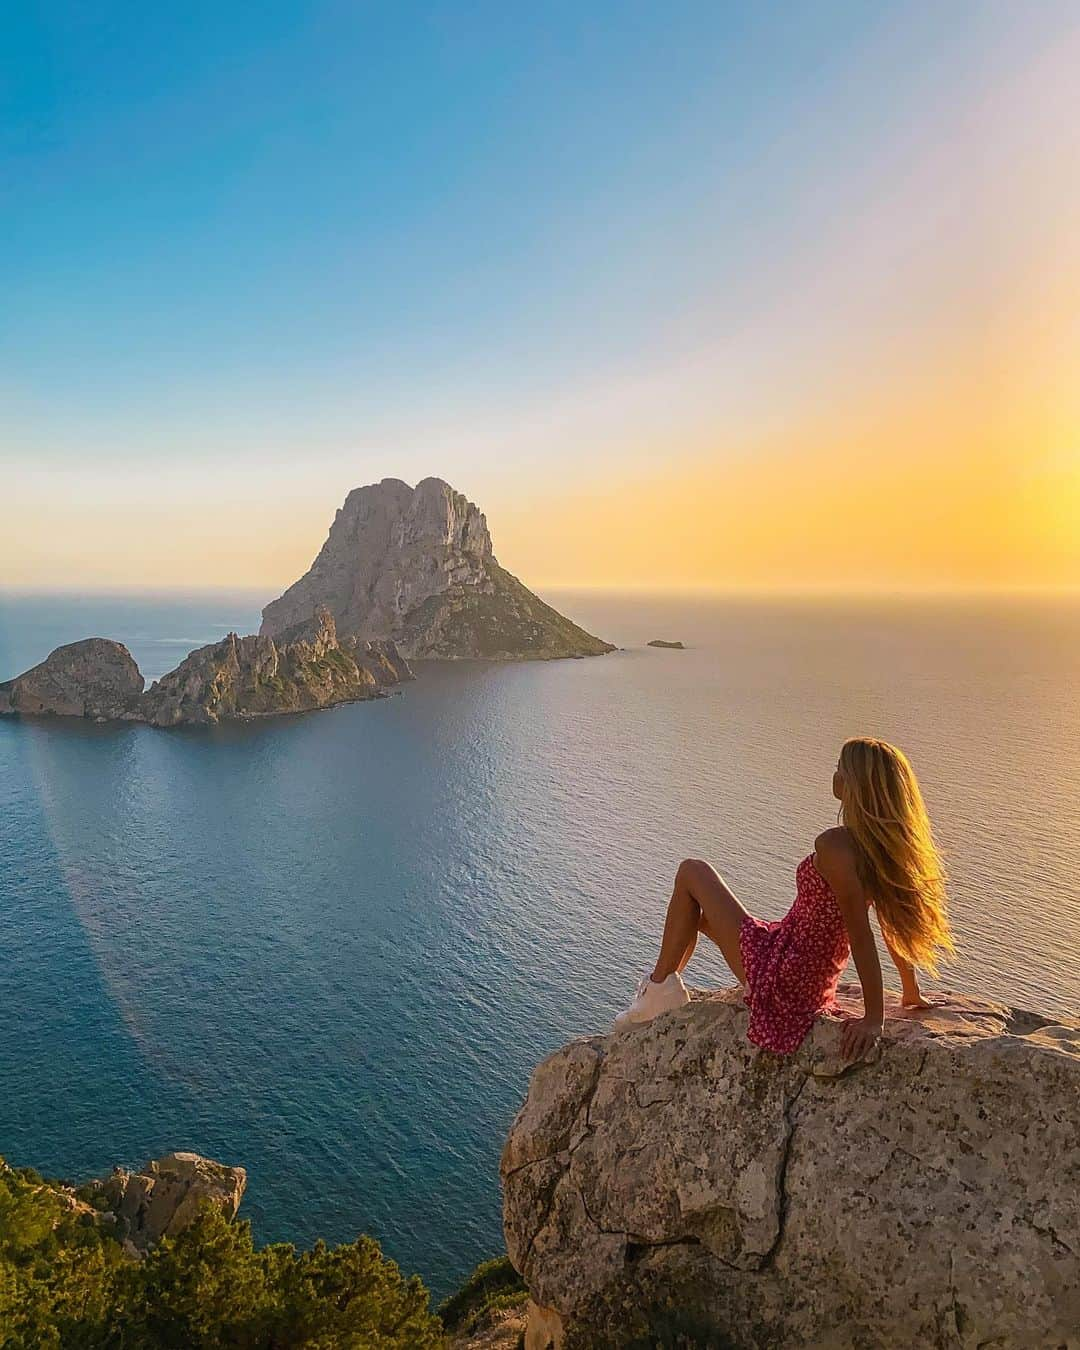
(493, 1286)
(64, 1283)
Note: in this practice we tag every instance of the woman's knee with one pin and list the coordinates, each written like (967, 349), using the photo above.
(692, 871)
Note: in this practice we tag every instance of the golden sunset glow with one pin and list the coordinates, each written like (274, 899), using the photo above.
(876, 385)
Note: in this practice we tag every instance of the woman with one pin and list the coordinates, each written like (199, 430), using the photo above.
(881, 855)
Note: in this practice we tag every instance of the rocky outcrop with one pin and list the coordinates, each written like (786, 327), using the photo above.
(670, 646)
(305, 668)
(416, 565)
(670, 1180)
(93, 678)
(162, 1199)
(239, 677)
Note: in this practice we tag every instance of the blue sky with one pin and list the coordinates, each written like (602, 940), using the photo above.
(204, 205)
(407, 238)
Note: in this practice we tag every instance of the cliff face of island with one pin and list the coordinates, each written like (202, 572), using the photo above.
(304, 668)
(670, 1180)
(417, 565)
(94, 678)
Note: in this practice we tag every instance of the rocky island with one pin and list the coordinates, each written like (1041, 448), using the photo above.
(404, 572)
(670, 1184)
(304, 668)
(416, 565)
(671, 646)
(95, 678)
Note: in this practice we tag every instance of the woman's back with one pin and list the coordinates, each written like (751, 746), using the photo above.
(793, 966)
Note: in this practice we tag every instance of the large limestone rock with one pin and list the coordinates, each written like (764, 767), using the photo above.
(92, 678)
(670, 1180)
(416, 565)
(306, 667)
(162, 1199)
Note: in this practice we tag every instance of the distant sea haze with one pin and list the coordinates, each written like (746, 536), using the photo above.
(333, 947)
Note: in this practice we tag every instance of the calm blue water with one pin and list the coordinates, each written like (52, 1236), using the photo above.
(333, 947)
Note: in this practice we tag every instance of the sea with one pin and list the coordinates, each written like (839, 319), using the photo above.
(332, 947)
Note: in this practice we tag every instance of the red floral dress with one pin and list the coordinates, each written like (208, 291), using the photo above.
(793, 966)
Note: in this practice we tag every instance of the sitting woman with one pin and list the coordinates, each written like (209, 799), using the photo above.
(882, 855)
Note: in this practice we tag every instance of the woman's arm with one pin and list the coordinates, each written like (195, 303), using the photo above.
(835, 860)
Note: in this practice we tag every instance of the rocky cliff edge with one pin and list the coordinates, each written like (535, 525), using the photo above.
(670, 1184)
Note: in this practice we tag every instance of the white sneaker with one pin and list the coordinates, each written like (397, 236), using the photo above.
(653, 999)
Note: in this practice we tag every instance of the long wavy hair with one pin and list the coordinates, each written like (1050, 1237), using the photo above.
(896, 857)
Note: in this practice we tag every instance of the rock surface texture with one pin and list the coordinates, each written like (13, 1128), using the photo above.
(162, 1199)
(305, 667)
(416, 565)
(670, 1180)
(239, 677)
(92, 678)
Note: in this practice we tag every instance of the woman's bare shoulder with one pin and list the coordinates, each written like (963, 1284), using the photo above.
(834, 858)
(837, 842)
(834, 851)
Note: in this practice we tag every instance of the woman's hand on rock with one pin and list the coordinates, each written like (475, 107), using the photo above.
(858, 1036)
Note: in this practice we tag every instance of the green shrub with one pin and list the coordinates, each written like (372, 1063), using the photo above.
(65, 1284)
(336, 658)
(495, 1284)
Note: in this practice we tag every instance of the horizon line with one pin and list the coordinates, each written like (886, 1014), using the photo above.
(687, 590)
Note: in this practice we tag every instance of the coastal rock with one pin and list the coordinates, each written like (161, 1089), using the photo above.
(162, 1199)
(671, 1180)
(671, 646)
(93, 678)
(416, 565)
(306, 667)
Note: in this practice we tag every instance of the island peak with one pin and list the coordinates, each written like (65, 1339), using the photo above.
(416, 565)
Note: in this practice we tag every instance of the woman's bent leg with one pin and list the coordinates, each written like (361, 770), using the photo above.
(700, 902)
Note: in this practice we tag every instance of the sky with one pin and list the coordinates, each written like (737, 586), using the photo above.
(685, 295)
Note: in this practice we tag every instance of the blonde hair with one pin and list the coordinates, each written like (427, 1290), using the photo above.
(896, 857)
